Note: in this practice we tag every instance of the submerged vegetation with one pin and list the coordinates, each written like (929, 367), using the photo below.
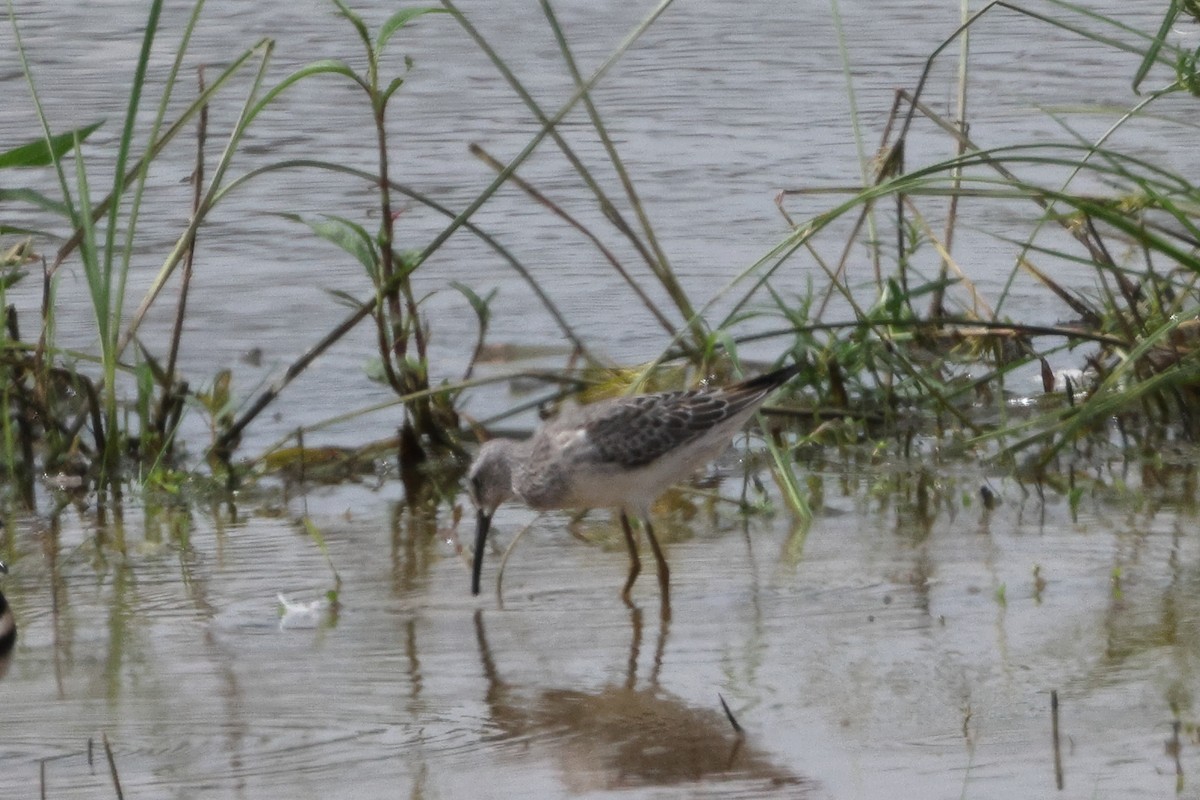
(897, 343)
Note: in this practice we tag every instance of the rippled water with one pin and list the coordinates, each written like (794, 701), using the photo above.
(904, 646)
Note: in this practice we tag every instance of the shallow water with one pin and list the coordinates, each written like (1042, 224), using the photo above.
(900, 648)
(904, 646)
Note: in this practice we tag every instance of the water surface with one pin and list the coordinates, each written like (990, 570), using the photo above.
(906, 645)
(900, 648)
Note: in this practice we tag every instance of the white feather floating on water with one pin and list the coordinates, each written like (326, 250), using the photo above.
(301, 615)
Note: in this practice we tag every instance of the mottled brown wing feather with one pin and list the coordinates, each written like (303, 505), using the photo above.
(639, 430)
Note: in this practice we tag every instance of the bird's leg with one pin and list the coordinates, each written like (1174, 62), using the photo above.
(635, 563)
(664, 574)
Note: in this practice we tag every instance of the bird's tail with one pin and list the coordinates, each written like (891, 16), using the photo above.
(768, 381)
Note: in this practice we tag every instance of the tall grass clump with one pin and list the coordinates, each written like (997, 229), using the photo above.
(922, 345)
(104, 228)
(430, 424)
(100, 200)
(909, 346)
(69, 405)
(895, 337)
(430, 432)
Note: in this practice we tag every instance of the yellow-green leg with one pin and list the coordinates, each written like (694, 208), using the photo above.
(664, 573)
(635, 562)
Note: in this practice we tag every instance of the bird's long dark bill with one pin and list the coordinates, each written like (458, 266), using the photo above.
(484, 521)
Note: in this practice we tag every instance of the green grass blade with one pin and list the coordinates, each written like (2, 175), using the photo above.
(785, 474)
(1156, 46)
(356, 20)
(207, 201)
(399, 20)
(45, 151)
(318, 538)
(125, 143)
(36, 199)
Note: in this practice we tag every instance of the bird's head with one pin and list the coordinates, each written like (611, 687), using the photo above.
(489, 483)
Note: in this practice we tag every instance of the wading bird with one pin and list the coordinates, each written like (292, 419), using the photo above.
(620, 453)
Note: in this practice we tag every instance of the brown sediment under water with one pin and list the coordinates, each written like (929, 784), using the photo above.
(905, 645)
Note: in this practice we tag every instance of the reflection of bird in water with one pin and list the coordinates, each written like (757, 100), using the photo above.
(8, 627)
(620, 736)
(620, 453)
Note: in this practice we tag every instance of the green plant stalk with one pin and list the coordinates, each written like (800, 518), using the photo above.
(864, 158)
(403, 321)
(106, 282)
(367, 307)
(411, 380)
(389, 319)
(108, 298)
(659, 264)
(41, 115)
(581, 169)
(938, 300)
(549, 124)
(785, 472)
(609, 256)
(1151, 55)
(102, 421)
(396, 313)
(142, 168)
(318, 538)
(249, 111)
(156, 148)
(116, 298)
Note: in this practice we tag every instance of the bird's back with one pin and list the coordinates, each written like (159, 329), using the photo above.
(628, 450)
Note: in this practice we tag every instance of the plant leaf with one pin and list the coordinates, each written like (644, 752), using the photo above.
(355, 20)
(11, 278)
(34, 198)
(319, 539)
(399, 20)
(329, 66)
(391, 88)
(481, 305)
(12, 230)
(1156, 44)
(785, 477)
(43, 152)
(721, 340)
(344, 298)
(350, 236)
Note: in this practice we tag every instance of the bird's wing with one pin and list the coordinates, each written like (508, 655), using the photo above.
(636, 431)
